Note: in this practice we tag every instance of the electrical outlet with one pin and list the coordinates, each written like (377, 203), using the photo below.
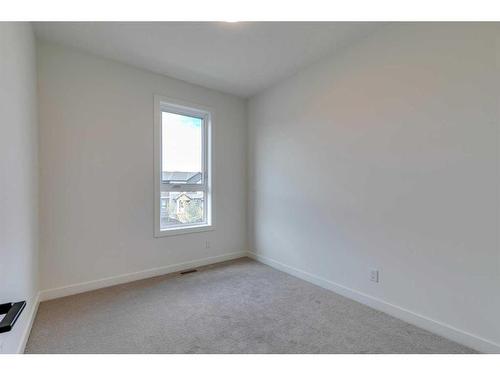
(374, 276)
(207, 244)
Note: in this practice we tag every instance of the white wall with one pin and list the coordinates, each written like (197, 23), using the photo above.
(386, 157)
(18, 176)
(96, 181)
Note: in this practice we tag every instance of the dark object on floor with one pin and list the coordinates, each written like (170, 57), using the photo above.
(12, 311)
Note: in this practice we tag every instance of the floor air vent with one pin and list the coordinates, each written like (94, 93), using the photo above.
(188, 271)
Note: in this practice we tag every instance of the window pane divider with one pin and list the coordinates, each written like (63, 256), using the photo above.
(183, 187)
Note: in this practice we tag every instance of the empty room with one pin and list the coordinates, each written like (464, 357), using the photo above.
(249, 187)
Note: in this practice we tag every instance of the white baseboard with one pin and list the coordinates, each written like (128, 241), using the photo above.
(68, 290)
(439, 328)
(30, 319)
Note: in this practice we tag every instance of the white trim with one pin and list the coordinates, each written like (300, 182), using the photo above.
(86, 286)
(31, 318)
(175, 231)
(439, 328)
(207, 114)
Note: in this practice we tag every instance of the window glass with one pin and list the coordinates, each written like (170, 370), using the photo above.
(181, 208)
(182, 161)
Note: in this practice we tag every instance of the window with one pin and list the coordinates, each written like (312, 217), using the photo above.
(183, 188)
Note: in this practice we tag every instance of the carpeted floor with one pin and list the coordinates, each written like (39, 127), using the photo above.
(240, 306)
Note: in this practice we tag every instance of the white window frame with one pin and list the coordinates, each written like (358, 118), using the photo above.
(161, 104)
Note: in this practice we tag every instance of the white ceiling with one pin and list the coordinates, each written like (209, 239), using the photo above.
(238, 58)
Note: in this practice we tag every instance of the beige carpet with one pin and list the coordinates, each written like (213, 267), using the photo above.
(234, 307)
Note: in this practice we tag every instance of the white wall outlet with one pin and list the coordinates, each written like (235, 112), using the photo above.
(374, 276)
(207, 244)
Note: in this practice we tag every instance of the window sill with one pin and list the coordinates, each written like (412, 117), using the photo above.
(184, 230)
